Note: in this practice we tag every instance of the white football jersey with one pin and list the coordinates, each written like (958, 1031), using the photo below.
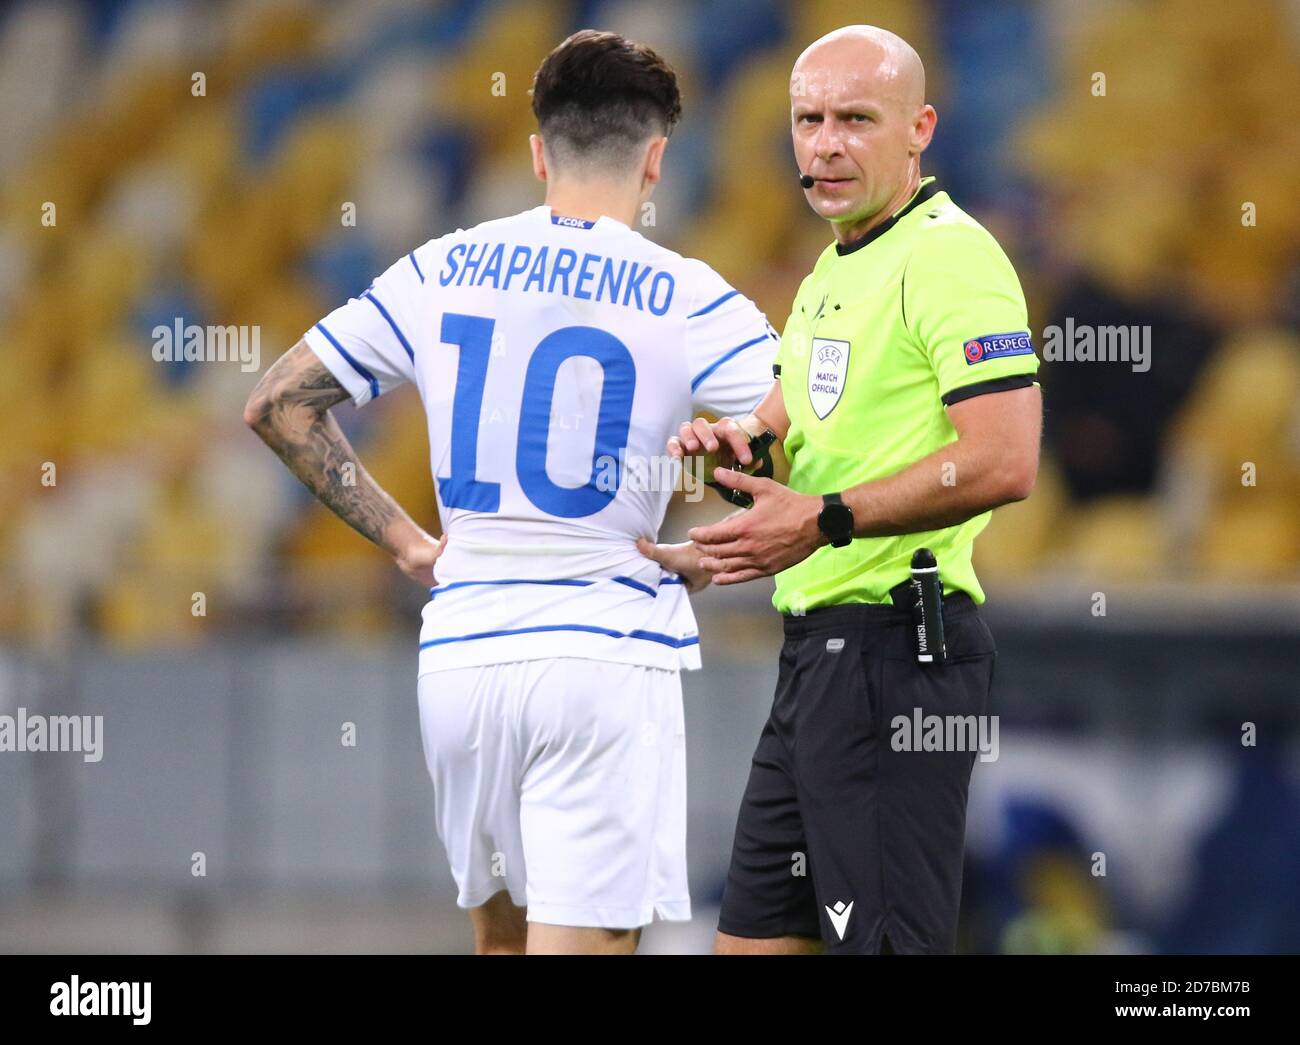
(555, 357)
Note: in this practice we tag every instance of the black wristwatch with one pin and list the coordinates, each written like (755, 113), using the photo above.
(835, 520)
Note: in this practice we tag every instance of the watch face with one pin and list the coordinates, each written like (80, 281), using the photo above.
(836, 522)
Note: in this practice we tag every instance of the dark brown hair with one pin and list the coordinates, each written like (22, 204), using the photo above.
(598, 95)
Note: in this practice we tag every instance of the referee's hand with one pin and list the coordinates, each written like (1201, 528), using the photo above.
(779, 531)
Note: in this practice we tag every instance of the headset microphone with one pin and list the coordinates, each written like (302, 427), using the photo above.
(807, 181)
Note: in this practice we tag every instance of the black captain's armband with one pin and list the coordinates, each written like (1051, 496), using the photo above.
(776, 369)
(760, 446)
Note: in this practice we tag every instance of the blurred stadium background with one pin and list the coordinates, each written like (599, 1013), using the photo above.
(1121, 734)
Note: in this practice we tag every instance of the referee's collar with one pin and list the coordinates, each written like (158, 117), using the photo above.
(926, 189)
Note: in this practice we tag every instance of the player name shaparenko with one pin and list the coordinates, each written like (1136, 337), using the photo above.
(592, 277)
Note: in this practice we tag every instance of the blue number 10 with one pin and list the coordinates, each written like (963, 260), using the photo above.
(462, 489)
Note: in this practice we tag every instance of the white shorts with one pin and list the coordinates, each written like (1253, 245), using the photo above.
(564, 782)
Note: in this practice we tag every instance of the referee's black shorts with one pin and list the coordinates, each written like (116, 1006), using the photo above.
(833, 814)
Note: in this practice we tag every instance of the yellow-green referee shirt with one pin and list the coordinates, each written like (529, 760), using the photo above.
(922, 312)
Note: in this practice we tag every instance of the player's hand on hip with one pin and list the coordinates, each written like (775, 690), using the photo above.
(417, 558)
(779, 531)
(682, 559)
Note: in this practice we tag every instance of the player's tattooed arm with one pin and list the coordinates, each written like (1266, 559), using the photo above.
(290, 411)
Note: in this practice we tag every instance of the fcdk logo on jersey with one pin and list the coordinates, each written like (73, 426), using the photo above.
(827, 368)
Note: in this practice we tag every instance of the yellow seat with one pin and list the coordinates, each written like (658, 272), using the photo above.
(1243, 409)
(1255, 538)
(1116, 539)
(1021, 537)
(512, 41)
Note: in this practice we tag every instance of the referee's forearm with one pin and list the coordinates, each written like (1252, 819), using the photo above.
(944, 489)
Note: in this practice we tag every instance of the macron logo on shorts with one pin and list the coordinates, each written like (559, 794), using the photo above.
(995, 346)
(839, 916)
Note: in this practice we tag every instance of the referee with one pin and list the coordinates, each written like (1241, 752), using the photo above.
(907, 409)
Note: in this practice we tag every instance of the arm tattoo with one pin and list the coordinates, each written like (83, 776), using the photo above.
(289, 410)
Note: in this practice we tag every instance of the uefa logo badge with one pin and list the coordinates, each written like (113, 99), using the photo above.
(827, 370)
(974, 351)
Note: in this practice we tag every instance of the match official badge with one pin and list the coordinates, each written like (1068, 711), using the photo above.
(828, 366)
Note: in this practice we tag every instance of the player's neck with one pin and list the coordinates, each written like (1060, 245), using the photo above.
(848, 232)
(592, 200)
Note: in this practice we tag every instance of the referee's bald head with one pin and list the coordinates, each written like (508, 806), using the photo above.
(871, 52)
(860, 121)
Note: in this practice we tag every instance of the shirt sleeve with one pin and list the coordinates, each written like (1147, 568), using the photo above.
(369, 343)
(730, 348)
(964, 306)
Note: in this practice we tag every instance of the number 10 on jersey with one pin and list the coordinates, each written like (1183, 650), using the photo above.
(463, 488)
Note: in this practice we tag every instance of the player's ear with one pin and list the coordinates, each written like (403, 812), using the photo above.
(654, 160)
(923, 129)
(539, 156)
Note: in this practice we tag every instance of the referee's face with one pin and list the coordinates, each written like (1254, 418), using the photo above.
(858, 131)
